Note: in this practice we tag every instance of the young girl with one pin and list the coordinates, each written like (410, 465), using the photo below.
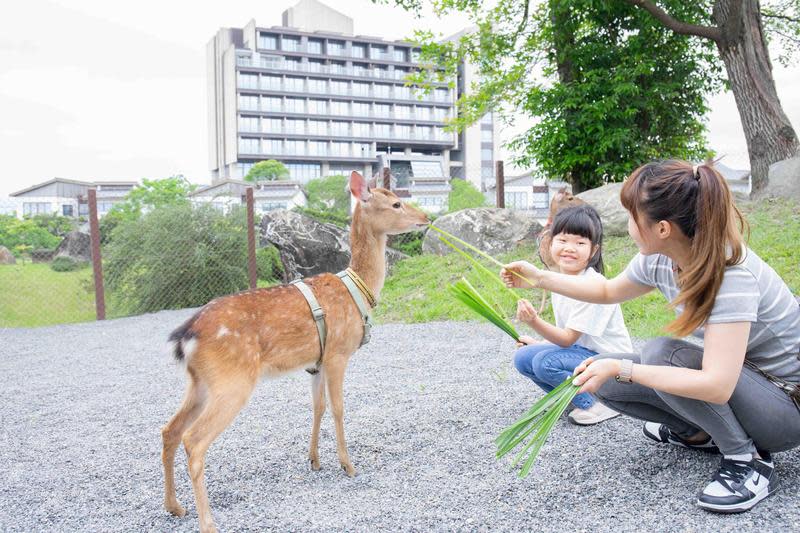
(581, 329)
(738, 393)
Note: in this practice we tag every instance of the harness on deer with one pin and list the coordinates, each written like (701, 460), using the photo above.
(358, 291)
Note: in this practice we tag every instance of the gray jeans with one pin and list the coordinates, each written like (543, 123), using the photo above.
(758, 415)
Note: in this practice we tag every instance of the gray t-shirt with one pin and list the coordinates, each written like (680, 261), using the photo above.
(750, 292)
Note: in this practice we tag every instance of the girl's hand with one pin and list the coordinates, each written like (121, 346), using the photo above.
(526, 312)
(523, 268)
(592, 374)
(525, 340)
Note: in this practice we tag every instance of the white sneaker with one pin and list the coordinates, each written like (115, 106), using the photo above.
(594, 415)
(739, 485)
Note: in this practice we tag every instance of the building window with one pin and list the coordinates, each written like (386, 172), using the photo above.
(516, 200)
(359, 50)
(486, 154)
(339, 87)
(400, 73)
(268, 41)
(402, 132)
(314, 46)
(314, 65)
(317, 148)
(270, 205)
(335, 48)
(340, 129)
(273, 146)
(337, 68)
(303, 172)
(360, 129)
(359, 69)
(360, 109)
(248, 81)
(248, 145)
(380, 72)
(403, 93)
(439, 113)
(317, 127)
(424, 132)
(296, 147)
(291, 63)
(270, 83)
(340, 149)
(383, 110)
(271, 125)
(317, 86)
(67, 210)
(290, 44)
(487, 119)
(248, 124)
(383, 131)
(402, 111)
(104, 207)
(269, 61)
(318, 107)
(295, 105)
(399, 54)
(415, 56)
(244, 168)
(443, 135)
(294, 84)
(363, 149)
(442, 95)
(271, 103)
(486, 135)
(247, 102)
(378, 52)
(381, 90)
(339, 108)
(430, 201)
(423, 113)
(295, 126)
(360, 89)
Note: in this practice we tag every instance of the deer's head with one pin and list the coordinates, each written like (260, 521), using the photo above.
(382, 211)
(561, 200)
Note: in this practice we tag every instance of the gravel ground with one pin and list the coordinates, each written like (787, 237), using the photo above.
(81, 407)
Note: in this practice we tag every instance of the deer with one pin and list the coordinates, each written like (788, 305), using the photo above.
(234, 341)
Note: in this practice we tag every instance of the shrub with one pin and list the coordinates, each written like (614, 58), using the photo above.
(268, 264)
(67, 264)
(325, 216)
(176, 256)
(464, 195)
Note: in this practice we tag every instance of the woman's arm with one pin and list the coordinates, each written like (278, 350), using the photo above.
(563, 337)
(723, 357)
(594, 289)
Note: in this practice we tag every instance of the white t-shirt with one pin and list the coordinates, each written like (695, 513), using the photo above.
(602, 326)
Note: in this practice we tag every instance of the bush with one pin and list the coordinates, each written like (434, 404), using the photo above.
(67, 264)
(408, 243)
(21, 236)
(268, 264)
(176, 256)
(325, 216)
(464, 195)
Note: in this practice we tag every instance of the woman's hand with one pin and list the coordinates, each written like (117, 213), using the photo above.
(591, 374)
(523, 268)
(525, 340)
(526, 312)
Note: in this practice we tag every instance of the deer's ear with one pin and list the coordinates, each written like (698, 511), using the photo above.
(359, 187)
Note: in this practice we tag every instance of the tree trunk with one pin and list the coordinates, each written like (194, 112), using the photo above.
(769, 134)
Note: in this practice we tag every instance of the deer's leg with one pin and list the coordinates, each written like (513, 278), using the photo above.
(224, 403)
(171, 435)
(318, 400)
(335, 378)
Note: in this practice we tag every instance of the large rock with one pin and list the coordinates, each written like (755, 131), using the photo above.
(606, 200)
(491, 230)
(6, 257)
(784, 179)
(309, 247)
(76, 245)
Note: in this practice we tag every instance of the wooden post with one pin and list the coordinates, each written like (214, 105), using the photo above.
(387, 178)
(501, 184)
(251, 241)
(97, 263)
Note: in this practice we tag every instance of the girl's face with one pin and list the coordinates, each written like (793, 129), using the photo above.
(644, 235)
(571, 252)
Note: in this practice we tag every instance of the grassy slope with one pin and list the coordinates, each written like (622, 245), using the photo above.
(416, 290)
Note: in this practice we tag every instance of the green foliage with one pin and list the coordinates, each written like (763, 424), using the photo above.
(268, 264)
(55, 224)
(409, 243)
(464, 195)
(176, 256)
(606, 85)
(781, 20)
(67, 264)
(330, 193)
(20, 236)
(151, 194)
(325, 216)
(267, 170)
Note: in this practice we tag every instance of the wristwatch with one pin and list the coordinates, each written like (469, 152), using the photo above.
(625, 371)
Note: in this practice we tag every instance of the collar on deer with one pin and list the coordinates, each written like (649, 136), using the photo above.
(358, 291)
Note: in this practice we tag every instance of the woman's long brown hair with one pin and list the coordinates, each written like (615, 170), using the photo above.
(699, 202)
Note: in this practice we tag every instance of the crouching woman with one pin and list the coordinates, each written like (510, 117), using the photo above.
(738, 393)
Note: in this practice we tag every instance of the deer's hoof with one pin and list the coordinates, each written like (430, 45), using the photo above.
(315, 464)
(349, 470)
(176, 509)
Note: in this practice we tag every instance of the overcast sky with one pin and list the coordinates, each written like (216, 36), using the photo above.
(99, 89)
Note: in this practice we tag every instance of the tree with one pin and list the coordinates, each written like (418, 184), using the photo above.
(329, 193)
(510, 43)
(464, 195)
(267, 170)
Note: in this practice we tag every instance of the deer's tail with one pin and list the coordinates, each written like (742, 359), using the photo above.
(182, 336)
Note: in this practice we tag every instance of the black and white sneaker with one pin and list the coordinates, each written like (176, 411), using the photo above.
(739, 485)
(661, 433)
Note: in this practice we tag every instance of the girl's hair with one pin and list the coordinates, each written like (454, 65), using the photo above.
(582, 220)
(698, 201)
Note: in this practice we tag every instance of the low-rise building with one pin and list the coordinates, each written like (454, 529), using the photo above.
(69, 198)
(267, 195)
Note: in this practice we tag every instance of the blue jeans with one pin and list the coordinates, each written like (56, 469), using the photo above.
(548, 365)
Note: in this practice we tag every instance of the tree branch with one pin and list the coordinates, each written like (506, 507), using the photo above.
(682, 28)
(782, 17)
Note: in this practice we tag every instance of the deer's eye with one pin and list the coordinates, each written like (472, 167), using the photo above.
(396, 205)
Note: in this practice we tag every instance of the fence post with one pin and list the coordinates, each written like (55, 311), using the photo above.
(387, 178)
(97, 263)
(500, 184)
(251, 241)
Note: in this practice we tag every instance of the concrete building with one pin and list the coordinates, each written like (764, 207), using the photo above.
(267, 195)
(323, 101)
(69, 197)
(528, 193)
